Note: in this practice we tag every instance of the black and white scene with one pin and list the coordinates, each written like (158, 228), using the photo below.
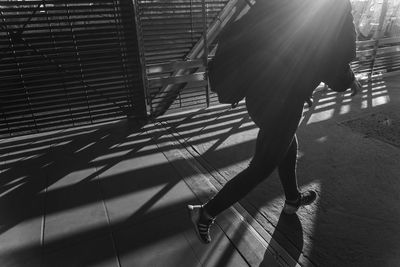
(199, 133)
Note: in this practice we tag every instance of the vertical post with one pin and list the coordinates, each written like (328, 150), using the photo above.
(378, 35)
(143, 95)
(205, 54)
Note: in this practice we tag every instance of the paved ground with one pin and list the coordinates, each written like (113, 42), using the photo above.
(115, 195)
(348, 153)
(110, 196)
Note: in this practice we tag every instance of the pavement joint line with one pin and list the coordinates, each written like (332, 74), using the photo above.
(111, 234)
(220, 180)
(191, 155)
(43, 223)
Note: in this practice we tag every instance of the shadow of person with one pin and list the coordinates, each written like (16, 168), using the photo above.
(289, 235)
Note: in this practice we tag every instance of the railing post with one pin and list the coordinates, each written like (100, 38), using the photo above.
(143, 102)
(378, 35)
(205, 55)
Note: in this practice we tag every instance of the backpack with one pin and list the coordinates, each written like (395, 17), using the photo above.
(232, 69)
(224, 67)
(236, 62)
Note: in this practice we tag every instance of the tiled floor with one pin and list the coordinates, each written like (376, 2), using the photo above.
(355, 220)
(99, 196)
(115, 195)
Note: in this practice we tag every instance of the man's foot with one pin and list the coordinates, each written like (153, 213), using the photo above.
(305, 198)
(201, 222)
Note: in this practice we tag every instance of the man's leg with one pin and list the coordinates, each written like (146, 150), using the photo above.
(287, 172)
(240, 185)
(288, 176)
(261, 166)
(273, 141)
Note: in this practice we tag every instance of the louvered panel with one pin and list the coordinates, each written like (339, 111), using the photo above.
(170, 22)
(66, 63)
(169, 31)
(171, 28)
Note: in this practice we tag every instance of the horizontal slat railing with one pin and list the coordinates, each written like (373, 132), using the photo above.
(170, 31)
(380, 56)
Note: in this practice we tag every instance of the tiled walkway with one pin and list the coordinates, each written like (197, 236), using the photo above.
(349, 153)
(115, 194)
(105, 196)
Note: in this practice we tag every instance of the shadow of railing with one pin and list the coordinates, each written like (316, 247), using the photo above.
(330, 108)
(32, 165)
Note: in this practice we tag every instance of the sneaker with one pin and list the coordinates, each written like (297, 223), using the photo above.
(201, 222)
(306, 198)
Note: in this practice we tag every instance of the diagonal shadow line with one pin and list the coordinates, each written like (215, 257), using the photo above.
(297, 240)
(118, 161)
(13, 143)
(188, 127)
(212, 122)
(41, 147)
(288, 229)
(16, 171)
(141, 212)
(30, 190)
(168, 147)
(118, 227)
(172, 127)
(120, 178)
(136, 215)
(37, 144)
(200, 115)
(234, 129)
(92, 176)
(30, 143)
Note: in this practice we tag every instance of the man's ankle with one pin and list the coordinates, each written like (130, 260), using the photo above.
(205, 214)
(294, 200)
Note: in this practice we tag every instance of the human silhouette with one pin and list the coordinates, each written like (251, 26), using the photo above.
(284, 50)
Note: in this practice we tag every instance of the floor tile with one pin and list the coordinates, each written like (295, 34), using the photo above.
(157, 242)
(137, 189)
(97, 252)
(74, 206)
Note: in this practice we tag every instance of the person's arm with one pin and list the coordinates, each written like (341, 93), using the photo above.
(355, 87)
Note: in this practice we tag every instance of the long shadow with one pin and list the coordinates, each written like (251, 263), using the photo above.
(289, 234)
(36, 174)
(46, 170)
(331, 230)
(358, 184)
(45, 160)
(316, 135)
(36, 170)
(121, 228)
